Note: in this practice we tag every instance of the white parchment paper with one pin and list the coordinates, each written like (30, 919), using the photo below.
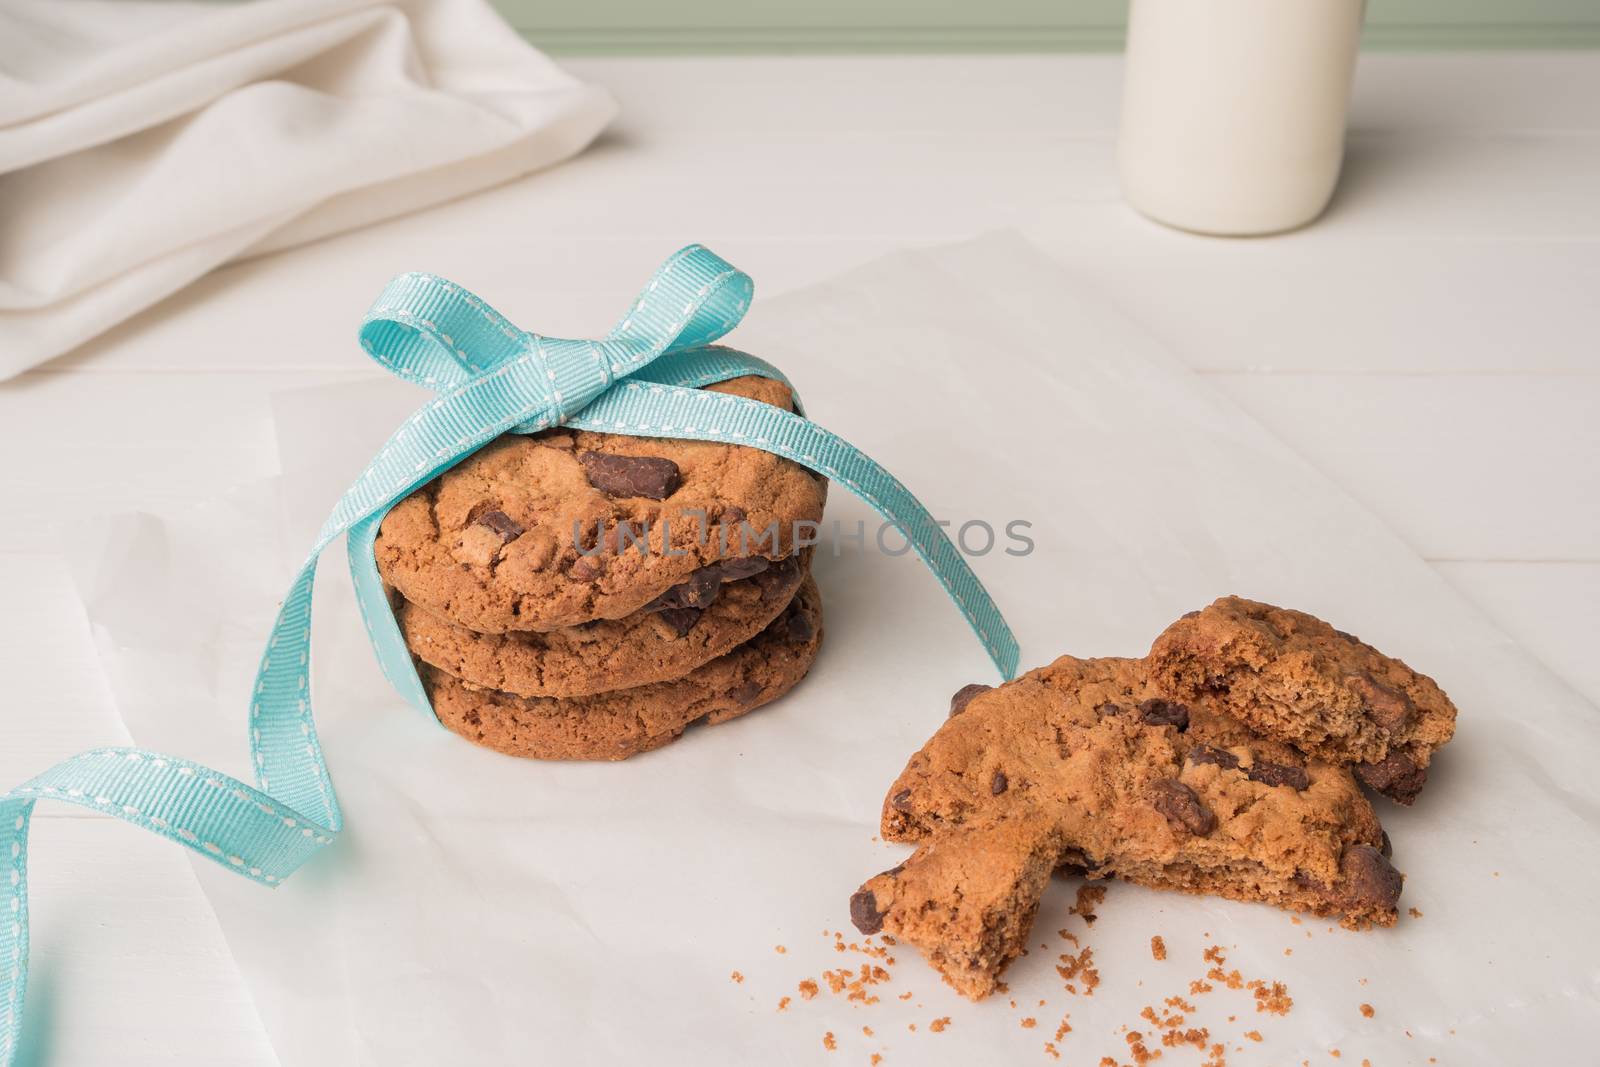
(485, 909)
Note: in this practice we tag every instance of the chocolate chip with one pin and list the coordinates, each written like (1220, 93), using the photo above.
(901, 801)
(681, 620)
(1158, 712)
(699, 591)
(1221, 757)
(586, 569)
(800, 628)
(1109, 708)
(1367, 879)
(745, 693)
(1387, 848)
(734, 570)
(503, 525)
(1278, 774)
(966, 695)
(1387, 707)
(864, 913)
(998, 783)
(1396, 776)
(1182, 807)
(648, 476)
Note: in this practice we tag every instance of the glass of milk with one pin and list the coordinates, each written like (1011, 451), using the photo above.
(1233, 111)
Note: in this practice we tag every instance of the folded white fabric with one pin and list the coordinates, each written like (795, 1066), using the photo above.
(144, 142)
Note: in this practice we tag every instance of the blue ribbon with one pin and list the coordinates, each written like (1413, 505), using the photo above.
(490, 378)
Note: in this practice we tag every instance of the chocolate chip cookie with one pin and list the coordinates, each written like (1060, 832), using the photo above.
(1084, 764)
(723, 605)
(569, 526)
(623, 723)
(1293, 677)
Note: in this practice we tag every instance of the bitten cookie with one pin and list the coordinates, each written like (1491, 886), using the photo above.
(1082, 764)
(497, 543)
(722, 605)
(1292, 677)
(616, 725)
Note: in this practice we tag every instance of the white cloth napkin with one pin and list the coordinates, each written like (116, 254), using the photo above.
(144, 142)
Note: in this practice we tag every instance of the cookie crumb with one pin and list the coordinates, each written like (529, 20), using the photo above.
(1366, 1009)
(867, 1030)
(808, 989)
(736, 976)
(1089, 897)
(1079, 966)
(828, 1042)
(1158, 947)
(1029, 1023)
(1253, 1035)
(938, 1025)
(1415, 913)
(1335, 1053)
(779, 949)
(783, 1004)
(875, 1059)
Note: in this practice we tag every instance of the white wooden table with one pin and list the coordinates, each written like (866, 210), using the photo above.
(1431, 344)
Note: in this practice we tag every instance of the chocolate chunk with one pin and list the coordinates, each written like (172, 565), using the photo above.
(1387, 848)
(864, 913)
(586, 569)
(965, 695)
(778, 576)
(734, 570)
(800, 628)
(1108, 708)
(998, 783)
(1366, 878)
(503, 525)
(1387, 707)
(1158, 712)
(681, 620)
(745, 693)
(1211, 754)
(1396, 776)
(730, 515)
(1182, 807)
(1277, 774)
(699, 591)
(901, 801)
(648, 476)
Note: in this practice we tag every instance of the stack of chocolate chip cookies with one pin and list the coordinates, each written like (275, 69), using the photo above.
(582, 595)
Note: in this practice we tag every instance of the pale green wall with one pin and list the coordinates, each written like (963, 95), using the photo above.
(689, 26)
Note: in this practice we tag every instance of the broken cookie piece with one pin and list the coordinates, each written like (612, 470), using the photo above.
(1292, 677)
(1104, 772)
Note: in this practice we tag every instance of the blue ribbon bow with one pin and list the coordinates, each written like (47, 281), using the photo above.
(490, 378)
